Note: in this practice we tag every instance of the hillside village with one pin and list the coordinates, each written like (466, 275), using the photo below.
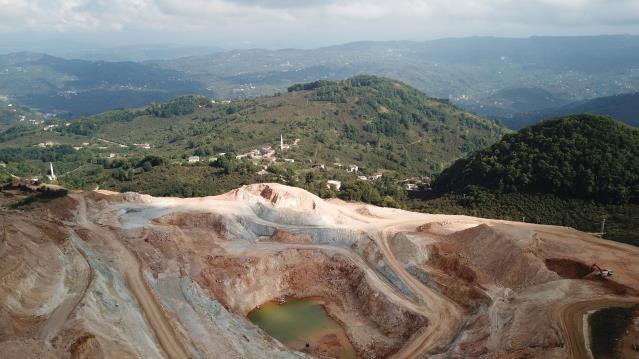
(198, 131)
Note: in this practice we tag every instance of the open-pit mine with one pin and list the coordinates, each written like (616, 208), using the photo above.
(270, 271)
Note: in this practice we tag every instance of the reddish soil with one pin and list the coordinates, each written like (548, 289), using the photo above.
(568, 268)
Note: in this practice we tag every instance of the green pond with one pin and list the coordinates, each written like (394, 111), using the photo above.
(303, 325)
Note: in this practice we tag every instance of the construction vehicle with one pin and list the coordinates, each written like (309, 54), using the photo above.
(599, 272)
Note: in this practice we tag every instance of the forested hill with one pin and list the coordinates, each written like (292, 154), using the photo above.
(372, 122)
(581, 156)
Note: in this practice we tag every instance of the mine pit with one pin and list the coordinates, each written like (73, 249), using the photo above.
(291, 276)
(304, 325)
(338, 314)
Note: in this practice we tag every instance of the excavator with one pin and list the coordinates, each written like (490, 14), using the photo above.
(599, 272)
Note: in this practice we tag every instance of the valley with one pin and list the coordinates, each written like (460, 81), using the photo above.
(495, 77)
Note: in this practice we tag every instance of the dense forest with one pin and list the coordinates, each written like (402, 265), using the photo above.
(580, 156)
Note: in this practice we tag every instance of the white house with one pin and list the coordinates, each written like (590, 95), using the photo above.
(411, 187)
(333, 183)
(194, 159)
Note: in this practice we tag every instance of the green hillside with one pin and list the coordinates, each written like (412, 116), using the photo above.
(574, 171)
(374, 123)
(581, 156)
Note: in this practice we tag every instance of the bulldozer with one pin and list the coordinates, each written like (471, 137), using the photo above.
(599, 272)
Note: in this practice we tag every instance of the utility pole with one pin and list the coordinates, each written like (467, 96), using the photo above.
(603, 227)
(4, 232)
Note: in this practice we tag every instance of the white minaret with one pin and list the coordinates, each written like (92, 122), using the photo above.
(52, 174)
(281, 143)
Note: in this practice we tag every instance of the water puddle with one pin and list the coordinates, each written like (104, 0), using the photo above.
(303, 325)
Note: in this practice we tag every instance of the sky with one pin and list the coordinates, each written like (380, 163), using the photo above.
(301, 23)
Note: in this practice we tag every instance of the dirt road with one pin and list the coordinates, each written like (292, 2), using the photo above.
(444, 315)
(157, 319)
(572, 322)
(59, 315)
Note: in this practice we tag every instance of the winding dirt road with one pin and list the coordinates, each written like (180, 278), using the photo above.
(572, 322)
(157, 319)
(69, 305)
(443, 314)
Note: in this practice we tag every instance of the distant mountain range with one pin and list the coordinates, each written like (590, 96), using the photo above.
(624, 108)
(80, 87)
(494, 77)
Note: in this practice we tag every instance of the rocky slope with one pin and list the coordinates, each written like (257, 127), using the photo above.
(102, 274)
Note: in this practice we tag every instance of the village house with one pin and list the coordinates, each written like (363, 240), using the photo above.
(46, 144)
(290, 160)
(334, 183)
(318, 165)
(145, 146)
(375, 176)
(194, 159)
(255, 154)
(411, 187)
(362, 178)
(352, 169)
(263, 170)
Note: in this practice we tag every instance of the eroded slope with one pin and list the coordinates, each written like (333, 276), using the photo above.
(102, 274)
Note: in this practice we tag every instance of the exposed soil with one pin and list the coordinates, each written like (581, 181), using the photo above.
(102, 274)
(568, 268)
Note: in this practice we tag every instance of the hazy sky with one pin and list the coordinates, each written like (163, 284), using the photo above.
(305, 23)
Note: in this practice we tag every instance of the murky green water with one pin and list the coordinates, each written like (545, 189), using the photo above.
(303, 325)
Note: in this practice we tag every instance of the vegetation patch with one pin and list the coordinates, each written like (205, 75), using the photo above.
(583, 156)
(606, 327)
(42, 195)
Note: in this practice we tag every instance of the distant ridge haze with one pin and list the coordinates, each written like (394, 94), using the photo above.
(492, 76)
